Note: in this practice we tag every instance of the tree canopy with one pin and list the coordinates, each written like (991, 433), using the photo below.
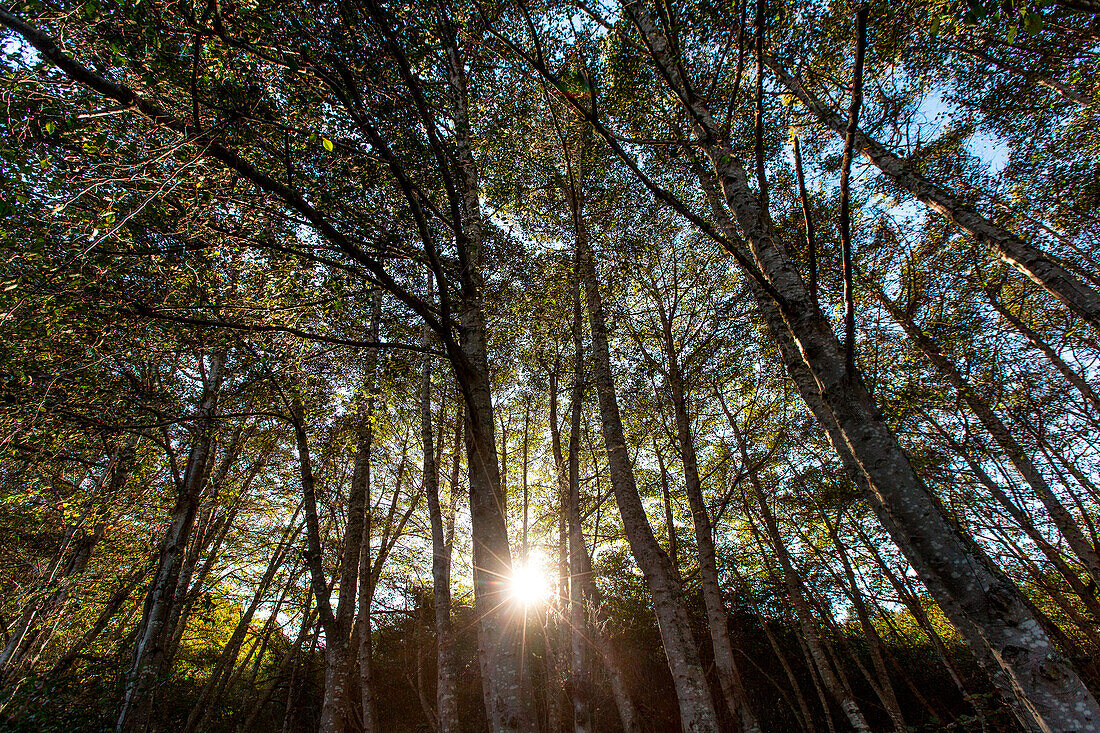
(553, 365)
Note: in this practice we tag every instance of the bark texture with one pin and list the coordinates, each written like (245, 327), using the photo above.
(499, 635)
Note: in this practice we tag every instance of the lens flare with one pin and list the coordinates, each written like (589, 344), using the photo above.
(530, 586)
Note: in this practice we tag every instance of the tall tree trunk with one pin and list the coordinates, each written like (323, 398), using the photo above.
(213, 539)
(504, 466)
(338, 648)
(697, 711)
(370, 570)
(580, 571)
(1037, 342)
(580, 574)
(729, 676)
(149, 648)
(666, 502)
(266, 633)
(294, 686)
(309, 618)
(802, 711)
(187, 596)
(884, 688)
(912, 603)
(557, 630)
(523, 476)
(205, 544)
(446, 674)
(1043, 689)
(200, 711)
(499, 636)
(1063, 90)
(333, 706)
(127, 587)
(815, 677)
(364, 579)
(70, 560)
(1025, 523)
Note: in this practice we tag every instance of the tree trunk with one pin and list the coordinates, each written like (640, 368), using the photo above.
(884, 688)
(200, 711)
(580, 571)
(338, 650)
(696, 707)
(837, 687)
(1036, 341)
(117, 599)
(1043, 688)
(447, 677)
(666, 501)
(504, 466)
(187, 592)
(802, 711)
(815, 677)
(69, 562)
(729, 676)
(211, 532)
(291, 655)
(912, 603)
(335, 672)
(266, 632)
(499, 637)
(293, 688)
(365, 579)
(149, 648)
(1024, 522)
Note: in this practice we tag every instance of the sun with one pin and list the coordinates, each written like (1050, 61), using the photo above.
(529, 584)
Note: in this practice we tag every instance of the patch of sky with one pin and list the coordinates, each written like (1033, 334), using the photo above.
(16, 48)
(938, 114)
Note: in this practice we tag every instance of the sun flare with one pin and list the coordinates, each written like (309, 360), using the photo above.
(530, 586)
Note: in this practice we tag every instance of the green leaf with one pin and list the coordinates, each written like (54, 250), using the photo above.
(935, 26)
(327, 144)
(50, 126)
(1011, 35)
